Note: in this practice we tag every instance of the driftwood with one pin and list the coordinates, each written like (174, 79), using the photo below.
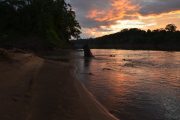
(87, 51)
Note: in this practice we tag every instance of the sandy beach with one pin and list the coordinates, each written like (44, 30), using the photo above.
(32, 88)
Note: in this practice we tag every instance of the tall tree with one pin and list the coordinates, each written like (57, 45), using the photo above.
(52, 20)
(171, 27)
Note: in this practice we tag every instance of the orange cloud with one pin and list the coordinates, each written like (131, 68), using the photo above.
(143, 22)
(125, 14)
(118, 10)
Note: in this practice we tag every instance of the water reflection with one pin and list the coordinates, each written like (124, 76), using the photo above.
(135, 85)
(87, 62)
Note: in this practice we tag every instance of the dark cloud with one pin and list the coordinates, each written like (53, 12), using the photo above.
(82, 7)
(157, 6)
(86, 5)
(90, 23)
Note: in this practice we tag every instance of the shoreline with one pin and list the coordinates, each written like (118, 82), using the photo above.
(33, 88)
(91, 102)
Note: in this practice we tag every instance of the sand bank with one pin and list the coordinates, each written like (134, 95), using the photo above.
(32, 88)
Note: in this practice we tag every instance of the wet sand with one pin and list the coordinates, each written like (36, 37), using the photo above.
(32, 88)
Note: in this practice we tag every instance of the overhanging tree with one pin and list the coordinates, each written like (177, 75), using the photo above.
(54, 21)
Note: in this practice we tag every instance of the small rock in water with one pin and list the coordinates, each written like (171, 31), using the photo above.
(88, 73)
(112, 56)
(126, 59)
(107, 69)
(129, 65)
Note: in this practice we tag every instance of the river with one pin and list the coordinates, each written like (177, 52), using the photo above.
(133, 85)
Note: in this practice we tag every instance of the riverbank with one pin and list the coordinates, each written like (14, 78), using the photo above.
(32, 88)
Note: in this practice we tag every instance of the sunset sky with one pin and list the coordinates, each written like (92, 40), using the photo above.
(101, 17)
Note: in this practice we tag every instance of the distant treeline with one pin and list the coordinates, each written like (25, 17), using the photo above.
(36, 24)
(136, 39)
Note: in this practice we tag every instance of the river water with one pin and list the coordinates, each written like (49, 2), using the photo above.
(134, 85)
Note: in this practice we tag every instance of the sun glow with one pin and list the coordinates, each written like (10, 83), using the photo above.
(143, 22)
(122, 14)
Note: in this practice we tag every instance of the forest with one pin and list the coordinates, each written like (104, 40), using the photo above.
(37, 24)
(167, 38)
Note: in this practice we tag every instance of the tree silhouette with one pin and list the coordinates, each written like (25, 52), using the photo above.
(134, 38)
(53, 21)
(171, 27)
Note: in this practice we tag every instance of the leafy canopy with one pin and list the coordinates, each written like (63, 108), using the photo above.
(52, 20)
(171, 27)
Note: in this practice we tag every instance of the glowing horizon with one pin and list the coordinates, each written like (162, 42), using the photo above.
(97, 18)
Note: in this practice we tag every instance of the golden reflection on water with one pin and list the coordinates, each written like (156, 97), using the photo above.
(135, 82)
